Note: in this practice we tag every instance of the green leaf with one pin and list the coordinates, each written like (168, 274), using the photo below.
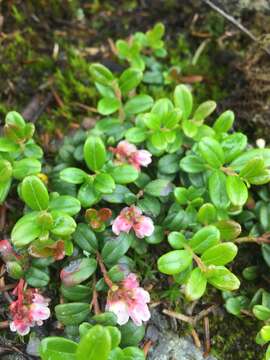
(136, 135)
(159, 187)
(152, 121)
(115, 336)
(204, 110)
(101, 74)
(85, 238)
(222, 279)
(234, 305)
(26, 230)
(132, 334)
(196, 285)
(106, 318)
(174, 262)
(57, 348)
(133, 353)
(4, 189)
(265, 333)
(205, 239)
(241, 160)
(224, 122)
(108, 105)
(138, 104)
(169, 164)
(233, 145)
(26, 167)
(72, 313)
(94, 153)
(183, 100)
(220, 254)
(66, 204)
(149, 205)
(217, 190)
(190, 128)
(261, 312)
(177, 240)
(124, 174)
(158, 140)
(5, 171)
(7, 145)
(64, 225)
(207, 214)
(36, 277)
(129, 80)
(95, 345)
(73, 175)
(211, 151)
(156, 237)
(87, 194)
(229, 229)
(192, 164)
(13, 118)
(266, 253)
(236, 190)
(76, 293)
(118, 196)
(254, 172)
(114, 249)
(104, 183)
(250, 273)
(181, 195)
(35, 193)
(78, 271)
(32, 150)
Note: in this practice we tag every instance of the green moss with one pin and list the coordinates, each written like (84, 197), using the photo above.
(234, 339)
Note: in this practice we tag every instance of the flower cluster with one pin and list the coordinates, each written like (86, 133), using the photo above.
(30, 309)
(128, 153)
(132, 218)
(129, 301)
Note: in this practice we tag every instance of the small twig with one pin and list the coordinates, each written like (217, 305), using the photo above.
(247, 313)
(263, 239)
(3, 211)
(112, 47)
(94, 301)
(103, 269)
(57, 98)
(207, 342)
(204, 313)
(196, 338)
(234, 22)
(178, 316)
(147, 346)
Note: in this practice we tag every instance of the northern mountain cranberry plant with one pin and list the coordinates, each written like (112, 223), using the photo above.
(158, 180)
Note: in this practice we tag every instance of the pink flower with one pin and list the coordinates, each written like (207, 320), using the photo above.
(128, 153)
(30, 309)
(129, 301)
(132, 218)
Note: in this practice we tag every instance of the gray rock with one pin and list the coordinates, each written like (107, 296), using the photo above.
(168, 344)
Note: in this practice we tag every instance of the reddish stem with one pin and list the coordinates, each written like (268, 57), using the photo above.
(103, 269)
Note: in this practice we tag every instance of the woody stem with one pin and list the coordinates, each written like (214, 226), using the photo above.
(103, 269)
